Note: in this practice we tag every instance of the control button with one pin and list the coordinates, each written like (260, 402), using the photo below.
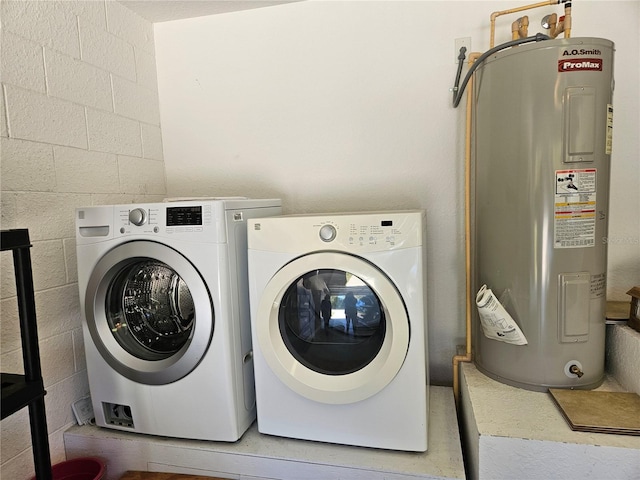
(327, 233)
(137, 216)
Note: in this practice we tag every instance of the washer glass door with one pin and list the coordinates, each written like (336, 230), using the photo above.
(337, 329)
(149, 309)
(149, 312)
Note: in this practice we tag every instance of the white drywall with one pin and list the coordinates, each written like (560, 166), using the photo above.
(345, 105)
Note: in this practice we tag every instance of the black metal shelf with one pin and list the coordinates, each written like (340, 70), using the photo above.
(19, 391)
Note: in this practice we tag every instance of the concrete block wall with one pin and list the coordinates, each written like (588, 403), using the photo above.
(79, 125)
(622, 354)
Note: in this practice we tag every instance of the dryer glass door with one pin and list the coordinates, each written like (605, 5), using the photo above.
(149, 312)
(332, 321)
(335, 327)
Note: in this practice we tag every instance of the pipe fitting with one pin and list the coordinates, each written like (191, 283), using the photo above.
(515, 29)
(575, 369)
(523, 26)
(495, 15)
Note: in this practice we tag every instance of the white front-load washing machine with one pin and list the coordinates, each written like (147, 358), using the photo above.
(165, 305)
(339, 329)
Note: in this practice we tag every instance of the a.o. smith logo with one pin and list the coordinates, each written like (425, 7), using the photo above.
(581, 51)
(580, 65)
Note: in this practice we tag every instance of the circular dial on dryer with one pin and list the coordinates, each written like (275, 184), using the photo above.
(327, 233)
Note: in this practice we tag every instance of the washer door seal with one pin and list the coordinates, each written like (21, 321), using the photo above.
(333, 389)
(150, 365)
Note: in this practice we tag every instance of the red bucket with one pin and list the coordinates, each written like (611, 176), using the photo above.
(86, 468)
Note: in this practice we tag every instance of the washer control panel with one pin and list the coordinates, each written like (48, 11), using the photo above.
(136, 219)
(138, 216)
(209, 220)
(163, 219)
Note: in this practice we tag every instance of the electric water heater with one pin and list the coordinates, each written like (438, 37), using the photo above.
(543, 126)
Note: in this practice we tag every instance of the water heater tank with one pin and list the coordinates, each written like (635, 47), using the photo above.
(543, 127)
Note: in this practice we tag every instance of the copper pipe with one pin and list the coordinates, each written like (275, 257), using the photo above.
(567, 20)
(555, 28)
(495, 15)
(520, 28)
(515, 30)
(564, 25)
(467, 357)
(523, 31)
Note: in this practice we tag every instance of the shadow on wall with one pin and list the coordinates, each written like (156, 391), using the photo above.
(337, 198)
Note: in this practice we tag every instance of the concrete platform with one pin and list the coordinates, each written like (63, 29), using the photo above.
(511, 433)
(256, 456)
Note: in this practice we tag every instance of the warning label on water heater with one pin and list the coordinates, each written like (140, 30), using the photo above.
(575, 208)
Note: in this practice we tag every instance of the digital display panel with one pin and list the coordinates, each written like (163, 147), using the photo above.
(387, 223)
(180, 216)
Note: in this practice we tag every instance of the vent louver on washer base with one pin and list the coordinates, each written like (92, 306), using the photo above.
(119, 415)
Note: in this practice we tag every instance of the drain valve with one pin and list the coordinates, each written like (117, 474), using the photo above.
(573, 369)
(576, 370)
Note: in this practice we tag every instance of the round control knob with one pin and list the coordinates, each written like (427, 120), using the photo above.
(137, 216)
(327, 233)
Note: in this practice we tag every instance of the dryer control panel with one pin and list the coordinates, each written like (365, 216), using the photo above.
(355, 232)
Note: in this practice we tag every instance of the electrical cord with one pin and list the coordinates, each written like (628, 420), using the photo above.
(461, 57)
(458, 91)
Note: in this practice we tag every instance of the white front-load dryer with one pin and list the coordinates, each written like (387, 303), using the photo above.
(339, 329)
(165, 305)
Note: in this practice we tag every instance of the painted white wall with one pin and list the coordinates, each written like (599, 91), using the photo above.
(80, 126)
(345, 106)
(328, 105)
